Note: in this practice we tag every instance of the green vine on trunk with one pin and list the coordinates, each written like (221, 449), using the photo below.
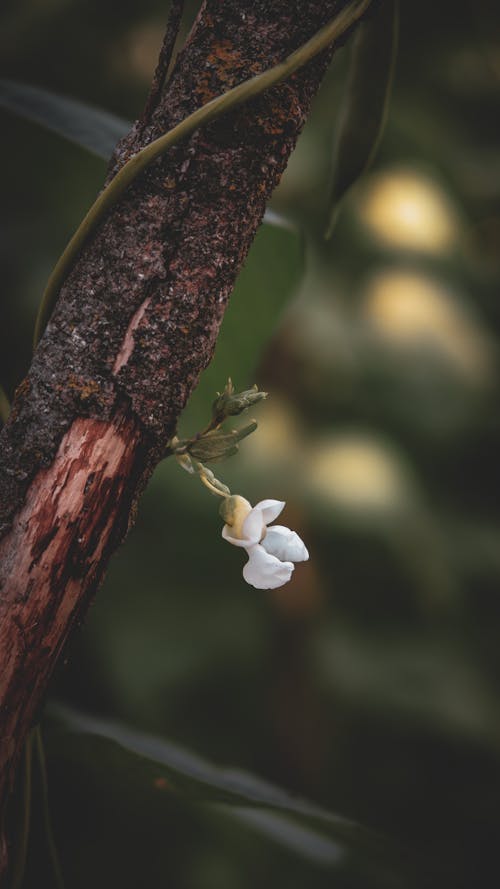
(213, 109)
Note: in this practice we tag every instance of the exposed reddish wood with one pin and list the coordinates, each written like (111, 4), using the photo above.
(52, 557)
(53, 549)
(127, 346)
(135, 325)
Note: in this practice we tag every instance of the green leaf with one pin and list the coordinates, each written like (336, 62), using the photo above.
(286, 832)
(125, 754)
(364, 112)
(91, 128)
(271, 217)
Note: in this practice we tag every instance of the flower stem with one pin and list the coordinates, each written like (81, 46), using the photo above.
(210, 486)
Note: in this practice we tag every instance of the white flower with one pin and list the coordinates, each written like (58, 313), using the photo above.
(271, 551)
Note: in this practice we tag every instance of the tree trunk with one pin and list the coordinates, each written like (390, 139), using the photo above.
(135, 324)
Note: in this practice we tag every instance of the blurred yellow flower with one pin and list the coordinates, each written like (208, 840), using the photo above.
(357, 471)
(407, 210)
(413, 310)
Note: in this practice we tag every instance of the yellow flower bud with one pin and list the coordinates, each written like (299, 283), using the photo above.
(234, 511)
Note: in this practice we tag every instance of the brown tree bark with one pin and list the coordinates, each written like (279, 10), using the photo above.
(135, 324)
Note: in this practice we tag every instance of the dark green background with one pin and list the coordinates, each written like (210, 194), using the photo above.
(370, 683)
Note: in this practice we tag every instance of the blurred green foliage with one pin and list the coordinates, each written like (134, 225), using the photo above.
(370, 682)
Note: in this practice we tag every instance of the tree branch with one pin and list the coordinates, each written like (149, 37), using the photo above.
(165, 62)
(135, 324)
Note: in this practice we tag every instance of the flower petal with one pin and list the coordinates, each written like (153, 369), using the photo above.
(253, 527)
(270, 509)
(236, 541)
(285, 544)
(266, 572)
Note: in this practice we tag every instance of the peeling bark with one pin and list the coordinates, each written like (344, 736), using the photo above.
(135, 324)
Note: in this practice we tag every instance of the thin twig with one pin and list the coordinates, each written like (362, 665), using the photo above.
(164, 61)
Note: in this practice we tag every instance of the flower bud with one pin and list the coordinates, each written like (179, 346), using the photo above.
(185, 461)
(230, 403)
(214, 446)
(234, 511)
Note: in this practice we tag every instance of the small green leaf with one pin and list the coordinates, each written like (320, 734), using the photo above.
(364, 112)
(214, 446)
(91, 128)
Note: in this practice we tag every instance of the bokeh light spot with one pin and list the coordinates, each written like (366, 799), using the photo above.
(357, 470)
(413, 310)
(407, 210)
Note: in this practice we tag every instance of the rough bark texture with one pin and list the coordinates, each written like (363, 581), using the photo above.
(135, 324)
